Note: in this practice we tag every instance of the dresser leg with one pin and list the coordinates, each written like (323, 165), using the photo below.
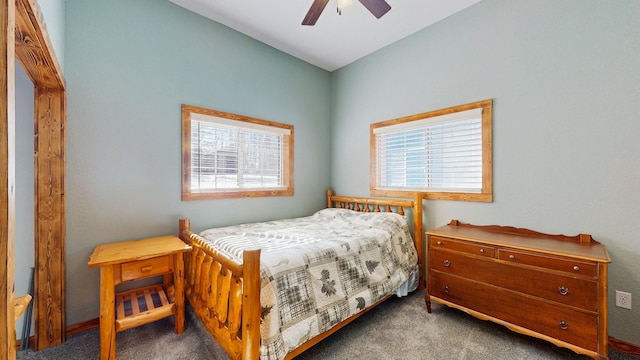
(427, 302)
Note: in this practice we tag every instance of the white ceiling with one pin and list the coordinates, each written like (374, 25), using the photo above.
(335, 40)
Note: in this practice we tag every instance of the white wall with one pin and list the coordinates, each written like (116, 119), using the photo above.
(565, 79)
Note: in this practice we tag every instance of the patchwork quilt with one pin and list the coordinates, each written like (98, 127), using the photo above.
(319, 270)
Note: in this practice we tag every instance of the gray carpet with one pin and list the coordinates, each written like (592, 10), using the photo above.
(400, 328)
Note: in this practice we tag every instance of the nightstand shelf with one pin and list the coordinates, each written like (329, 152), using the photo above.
(141, 306)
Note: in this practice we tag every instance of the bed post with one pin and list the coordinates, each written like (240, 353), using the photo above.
(251, 307)
(184, 224)
(419, 237)
(329, 195)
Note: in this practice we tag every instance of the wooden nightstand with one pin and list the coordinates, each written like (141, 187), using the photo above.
(133, 260)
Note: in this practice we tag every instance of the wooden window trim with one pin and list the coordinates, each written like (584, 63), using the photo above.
(486, 194)
(287, 174)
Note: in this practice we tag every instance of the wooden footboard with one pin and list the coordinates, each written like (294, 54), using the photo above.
(225, 294)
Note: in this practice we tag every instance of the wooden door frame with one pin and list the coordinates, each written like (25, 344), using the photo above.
(7, 176)
(25, 38)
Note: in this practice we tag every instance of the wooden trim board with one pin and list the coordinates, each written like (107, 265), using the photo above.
(25, 39)
(7, 178)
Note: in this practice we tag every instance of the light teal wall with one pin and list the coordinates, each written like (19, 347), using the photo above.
(129, 67)
(54, 15)
(565, 79)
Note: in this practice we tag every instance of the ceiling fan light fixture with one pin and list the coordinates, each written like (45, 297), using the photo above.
(343, 4)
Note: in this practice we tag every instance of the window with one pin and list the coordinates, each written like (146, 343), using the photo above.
(445, 154)
(227, 155)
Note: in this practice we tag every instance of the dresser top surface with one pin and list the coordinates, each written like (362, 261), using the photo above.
(525, 240)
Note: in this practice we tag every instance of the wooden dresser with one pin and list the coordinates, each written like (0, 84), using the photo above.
(552, 287)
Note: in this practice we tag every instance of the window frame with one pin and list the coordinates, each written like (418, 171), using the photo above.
(486, 193)
(287, 157)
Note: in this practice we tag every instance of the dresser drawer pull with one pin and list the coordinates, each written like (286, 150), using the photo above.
(481, 250)
(576, 268)
(447, 263)
(563, 290)
(146, 268)
(439, 243)
(563, 325)
(446, 289)
(512, 256)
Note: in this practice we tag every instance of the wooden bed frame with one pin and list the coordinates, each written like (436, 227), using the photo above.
(225, 294)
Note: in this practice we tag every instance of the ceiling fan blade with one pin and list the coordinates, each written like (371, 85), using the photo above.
(377, 7)
(314, 12)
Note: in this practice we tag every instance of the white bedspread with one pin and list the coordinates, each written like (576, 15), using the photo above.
(319, 270)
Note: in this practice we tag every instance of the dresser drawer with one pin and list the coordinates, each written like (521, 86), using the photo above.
(144, 268)
(548, 261)
(462, 246)
(537, 282)
(551, 319)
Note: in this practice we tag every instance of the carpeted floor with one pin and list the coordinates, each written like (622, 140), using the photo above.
(400, 328)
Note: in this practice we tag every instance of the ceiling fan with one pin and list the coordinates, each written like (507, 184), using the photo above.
(377, 7)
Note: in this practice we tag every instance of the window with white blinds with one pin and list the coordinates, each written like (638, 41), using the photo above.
(443, 152)
(234, 156)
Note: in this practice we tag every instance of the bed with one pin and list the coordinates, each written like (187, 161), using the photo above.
(260, 296)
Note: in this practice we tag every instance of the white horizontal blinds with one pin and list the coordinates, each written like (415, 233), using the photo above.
(454, 157)
(441, 153)
(227, 155)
